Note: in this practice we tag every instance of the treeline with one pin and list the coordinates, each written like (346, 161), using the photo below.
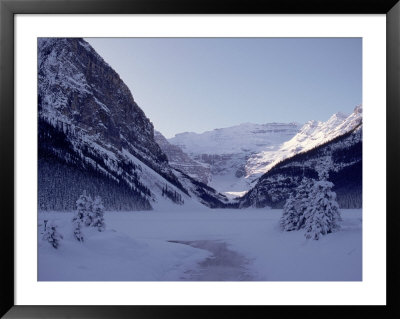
(206, 194)
(172, 195)
(274, 187)
(63, 174)
(60, 184)
(329, 146)
(348, 185)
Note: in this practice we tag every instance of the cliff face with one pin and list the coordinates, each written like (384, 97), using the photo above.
(181, 161)
(93, 136)
(78, 88)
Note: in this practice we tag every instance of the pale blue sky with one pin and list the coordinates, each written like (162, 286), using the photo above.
(198, 84)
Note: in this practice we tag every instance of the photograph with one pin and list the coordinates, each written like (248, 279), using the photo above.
(200, 159)
(192, 159)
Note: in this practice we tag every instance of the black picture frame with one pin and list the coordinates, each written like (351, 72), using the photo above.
(8, 8)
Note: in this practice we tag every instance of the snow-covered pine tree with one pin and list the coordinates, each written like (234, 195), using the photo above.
(323, 166)
(78, 229)
(289, 219)
(322, 215)
(82, 206)
(45, 221)
(97, 214)
(302, 200)
(51, 235)
(295, 206)
(88, 217)
(83, 210)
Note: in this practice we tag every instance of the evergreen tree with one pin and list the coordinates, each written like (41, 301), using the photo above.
(314, 207)
(295, 206)
(172, 195)
(77, 223)
(83, 209)
(289, 218)
(97, 214)
(323, 166)
(51, 235)
(302, 200)
(322, 215)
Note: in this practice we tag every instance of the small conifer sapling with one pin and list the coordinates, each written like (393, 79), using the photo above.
(51, 235)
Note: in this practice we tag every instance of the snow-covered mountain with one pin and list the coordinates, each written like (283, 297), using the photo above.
(226, 150)
(239, 155)
(181, 161)
(93, 136)
(243, 138)
(342, 156)
(312, 134)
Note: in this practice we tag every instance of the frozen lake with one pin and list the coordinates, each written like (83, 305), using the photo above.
(223, 265)
(201, 245)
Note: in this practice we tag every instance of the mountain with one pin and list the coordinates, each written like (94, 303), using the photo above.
(312, 134)
(193, 175)
(226, 150)
(239, 155)
(92, 135)
(246, 137)
(181, 161)
(206, 195)
(341, 155)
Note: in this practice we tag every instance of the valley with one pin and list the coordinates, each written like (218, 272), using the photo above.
(118, 201)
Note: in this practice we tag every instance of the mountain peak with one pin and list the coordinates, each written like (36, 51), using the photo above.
(93, 134)
(312, 134)
(358, 109)
(340, 115)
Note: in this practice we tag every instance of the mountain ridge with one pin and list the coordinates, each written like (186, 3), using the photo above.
(85, 106)
(181, 161)
(239, 155)
(341, 156)
(311, 134)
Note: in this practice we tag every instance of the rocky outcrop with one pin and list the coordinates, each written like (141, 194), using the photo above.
(181, 161)
(77, 88)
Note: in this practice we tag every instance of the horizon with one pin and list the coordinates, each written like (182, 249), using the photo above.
(245, 79)
(252, 123)
(235, 125)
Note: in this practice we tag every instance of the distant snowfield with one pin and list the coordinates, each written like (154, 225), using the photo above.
(254, 149)
(200, 245)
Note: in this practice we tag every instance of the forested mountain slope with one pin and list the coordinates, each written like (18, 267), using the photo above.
(343, 158)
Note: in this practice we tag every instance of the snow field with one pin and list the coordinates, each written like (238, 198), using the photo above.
(136, 247)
